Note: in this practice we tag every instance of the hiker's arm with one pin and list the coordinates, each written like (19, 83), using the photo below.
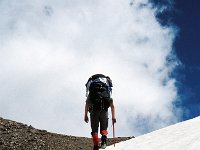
(86, 119)
(113, 113)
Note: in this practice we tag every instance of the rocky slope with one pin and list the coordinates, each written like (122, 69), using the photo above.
(18, 136)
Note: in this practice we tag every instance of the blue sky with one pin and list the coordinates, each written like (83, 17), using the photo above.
(188, 50)
(49, 49)
(185, 15)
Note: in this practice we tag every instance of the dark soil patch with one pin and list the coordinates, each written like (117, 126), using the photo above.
(18, 136)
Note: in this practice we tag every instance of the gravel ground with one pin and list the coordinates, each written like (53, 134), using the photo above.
(18, 136)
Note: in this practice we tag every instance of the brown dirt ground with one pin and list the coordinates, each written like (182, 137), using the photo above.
(19, 136)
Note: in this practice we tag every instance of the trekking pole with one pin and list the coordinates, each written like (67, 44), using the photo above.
(114, 134)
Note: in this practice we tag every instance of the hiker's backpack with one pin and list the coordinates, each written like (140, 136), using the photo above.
(100, 89)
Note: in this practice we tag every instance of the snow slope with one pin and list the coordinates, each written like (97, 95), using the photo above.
(181, 136)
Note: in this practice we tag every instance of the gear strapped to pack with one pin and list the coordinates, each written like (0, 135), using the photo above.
(100, 90)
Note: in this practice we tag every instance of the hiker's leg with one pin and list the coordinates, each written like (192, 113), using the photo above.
(94, 119)
(95, 139)
(103, 128)
(103, 122)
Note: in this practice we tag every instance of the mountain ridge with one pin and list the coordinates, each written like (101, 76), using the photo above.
(19, 136)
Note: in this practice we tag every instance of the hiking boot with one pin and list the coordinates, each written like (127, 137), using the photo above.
(103, 141)
(96, 147)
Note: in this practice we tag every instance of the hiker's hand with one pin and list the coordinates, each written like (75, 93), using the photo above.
(114, 120)
(86, 119)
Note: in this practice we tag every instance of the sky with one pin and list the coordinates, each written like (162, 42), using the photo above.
(184, 15)
(187, 48)
(49, 49)
(184, 135)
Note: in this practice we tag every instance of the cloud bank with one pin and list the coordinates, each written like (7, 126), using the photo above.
(49, 49)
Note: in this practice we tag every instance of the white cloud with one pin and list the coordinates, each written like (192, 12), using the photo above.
(49, 49)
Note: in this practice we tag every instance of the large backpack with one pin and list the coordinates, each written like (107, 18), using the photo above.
(100, 89)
